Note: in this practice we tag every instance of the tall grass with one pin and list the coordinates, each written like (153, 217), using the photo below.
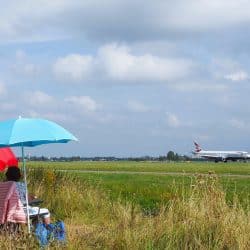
(197, 218)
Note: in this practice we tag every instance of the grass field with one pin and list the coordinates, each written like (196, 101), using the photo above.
(150, 190)
(146, 184)
(135, 207)
(186, 167)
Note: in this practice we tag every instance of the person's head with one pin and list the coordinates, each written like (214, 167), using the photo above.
(13, 174)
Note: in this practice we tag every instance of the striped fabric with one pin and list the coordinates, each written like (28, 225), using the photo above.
(11, 209)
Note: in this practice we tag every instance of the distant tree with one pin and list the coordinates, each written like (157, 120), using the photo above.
(162, 158)
(177, 157)
(171, 156)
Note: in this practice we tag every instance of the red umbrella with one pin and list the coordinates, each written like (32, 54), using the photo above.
(7, 158)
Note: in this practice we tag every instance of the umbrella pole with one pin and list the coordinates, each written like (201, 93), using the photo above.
(26, 186)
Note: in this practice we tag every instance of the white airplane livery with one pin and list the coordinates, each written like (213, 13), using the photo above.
(220, 155)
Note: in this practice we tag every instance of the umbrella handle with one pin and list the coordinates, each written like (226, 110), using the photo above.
(26, 187)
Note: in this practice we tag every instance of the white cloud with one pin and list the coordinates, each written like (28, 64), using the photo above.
(30, 69)
(23, 66)
(83, 103)
(238, 123)
(139, 107)
(200, 87)
(27, 69)
(73, 67)
(237, 76)
(118, 63)
(44, 20)
(205, 14)
(31, 20)
(226, 68)
(39, 99)
(172, 120)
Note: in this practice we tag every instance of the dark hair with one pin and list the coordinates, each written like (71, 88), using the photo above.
(13, 173)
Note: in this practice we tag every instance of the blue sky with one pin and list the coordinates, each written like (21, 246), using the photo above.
(129, 78)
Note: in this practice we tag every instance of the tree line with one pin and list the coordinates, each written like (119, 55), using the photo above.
(170, 156)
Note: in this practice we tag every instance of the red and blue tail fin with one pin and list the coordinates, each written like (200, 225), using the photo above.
(197, 147)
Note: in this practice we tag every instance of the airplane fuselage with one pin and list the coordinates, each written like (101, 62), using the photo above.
(220, 155)
(223, 155)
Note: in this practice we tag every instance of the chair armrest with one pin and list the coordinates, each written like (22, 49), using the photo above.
(35, 202)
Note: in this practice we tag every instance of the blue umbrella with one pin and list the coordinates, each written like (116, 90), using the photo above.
(30, 132)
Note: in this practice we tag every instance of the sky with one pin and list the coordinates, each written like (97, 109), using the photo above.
(129, 78)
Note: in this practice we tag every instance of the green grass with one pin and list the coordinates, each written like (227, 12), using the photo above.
(186, 167)
(150, 191)
(142, 211)
(103, 211)
(153, 189)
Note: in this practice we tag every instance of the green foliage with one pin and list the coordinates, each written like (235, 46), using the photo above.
(171, 156)
(196, 216)
(148, 191)
(147, 166)
(142, 211)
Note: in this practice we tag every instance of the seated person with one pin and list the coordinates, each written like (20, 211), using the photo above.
(14, 174)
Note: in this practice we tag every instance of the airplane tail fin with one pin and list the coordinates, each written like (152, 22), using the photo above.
(197, 147)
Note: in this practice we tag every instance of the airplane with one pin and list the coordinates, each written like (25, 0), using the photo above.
(217, 156)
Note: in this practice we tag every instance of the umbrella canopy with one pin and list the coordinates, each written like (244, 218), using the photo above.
(28, 132)
(7, 158)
